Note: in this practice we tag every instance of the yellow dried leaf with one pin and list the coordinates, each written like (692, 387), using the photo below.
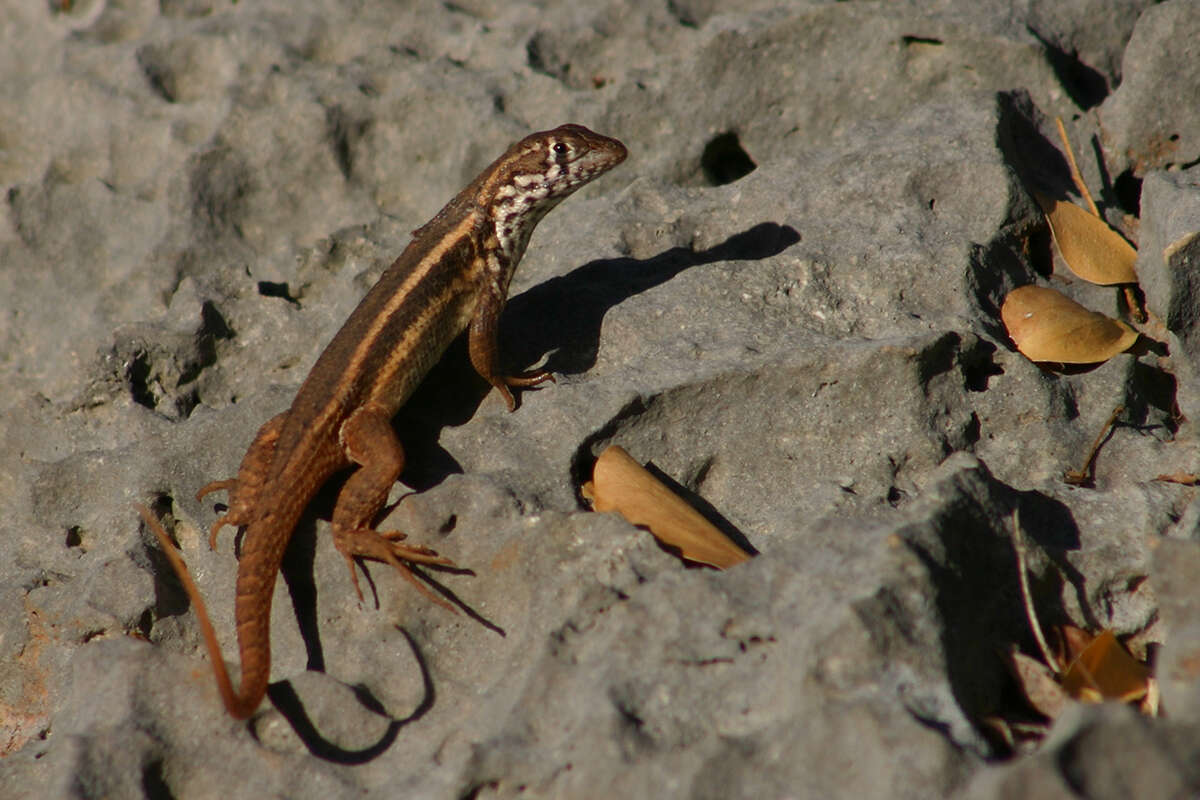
(1070, 641)
(1046, 325)
(1104, 670)
(1184, 478)
(1093, 251)
(621, 484)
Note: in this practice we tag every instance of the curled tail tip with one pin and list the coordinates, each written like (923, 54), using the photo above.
(239, 706)
(153, 524)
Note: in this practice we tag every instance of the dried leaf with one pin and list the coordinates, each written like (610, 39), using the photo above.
(1093, 251)
(1104, 670)
(1081, 666)
(1048, 326)
(1185, 478)
(621, 484)
(1071, 641)
(1038, 683)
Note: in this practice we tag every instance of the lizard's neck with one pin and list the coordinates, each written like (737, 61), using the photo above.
(512, 219)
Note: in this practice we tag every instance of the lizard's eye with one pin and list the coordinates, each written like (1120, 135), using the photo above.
(560, 149)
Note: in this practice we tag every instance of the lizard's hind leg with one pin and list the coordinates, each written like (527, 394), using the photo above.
(245, 489)
(369, 441)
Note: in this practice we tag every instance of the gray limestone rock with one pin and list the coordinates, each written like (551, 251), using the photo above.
(1151, 120)
(786, 301)
(1168, 259)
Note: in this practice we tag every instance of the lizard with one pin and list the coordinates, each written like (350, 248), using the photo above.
(453, 276)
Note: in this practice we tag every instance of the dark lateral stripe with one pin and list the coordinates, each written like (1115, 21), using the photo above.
(420, 329)
(389, 328)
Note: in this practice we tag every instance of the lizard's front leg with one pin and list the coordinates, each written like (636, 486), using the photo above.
(368, 440)
(485, 325)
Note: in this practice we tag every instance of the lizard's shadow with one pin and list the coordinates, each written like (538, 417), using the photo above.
(562, 317)
(289, 704)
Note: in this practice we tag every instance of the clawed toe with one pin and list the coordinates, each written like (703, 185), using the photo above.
(417, 553)
(421, 555)
(384, 546)
(215, 486)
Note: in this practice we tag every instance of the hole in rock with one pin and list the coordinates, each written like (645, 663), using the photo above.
(1127, 189)
(273, 289)
(724, 161)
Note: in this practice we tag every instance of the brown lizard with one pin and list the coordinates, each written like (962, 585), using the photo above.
(453, 276)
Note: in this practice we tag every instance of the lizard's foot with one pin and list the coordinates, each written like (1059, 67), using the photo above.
(384, 547)
(238, 514)
(231, 518)
(524, 380)
(216, 486)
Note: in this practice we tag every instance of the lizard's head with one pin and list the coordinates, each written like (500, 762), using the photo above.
(536, 173)
(551, 164)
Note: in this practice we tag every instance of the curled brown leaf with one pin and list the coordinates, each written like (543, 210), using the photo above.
(1048, 326)
(1092, 250)
(621, 484)
(1103, 669)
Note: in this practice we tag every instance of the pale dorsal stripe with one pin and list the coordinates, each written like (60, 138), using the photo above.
(402, 295)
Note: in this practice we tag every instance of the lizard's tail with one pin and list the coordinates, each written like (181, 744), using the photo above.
(239, 705)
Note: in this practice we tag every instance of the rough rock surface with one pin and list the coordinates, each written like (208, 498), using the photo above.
(787, 300)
